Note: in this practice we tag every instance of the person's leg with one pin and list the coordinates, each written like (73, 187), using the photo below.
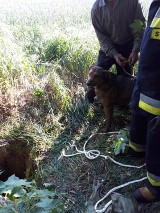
(126, 70)
(153, 147)
(138, 133)
(105, 62)
(151, 191)
(125, 50)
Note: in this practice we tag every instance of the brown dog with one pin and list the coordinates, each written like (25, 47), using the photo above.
(111, 89)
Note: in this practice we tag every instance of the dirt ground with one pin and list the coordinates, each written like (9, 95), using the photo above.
(82, 182)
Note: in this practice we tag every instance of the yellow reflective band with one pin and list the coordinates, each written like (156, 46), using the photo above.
(135, 148)
(153, 182)
(149, 108)
(155, 23)
(155, 34)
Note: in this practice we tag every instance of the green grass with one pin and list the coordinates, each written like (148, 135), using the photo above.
(46, 48)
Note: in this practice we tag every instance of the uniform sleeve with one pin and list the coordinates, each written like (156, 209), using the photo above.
(139, 34)
(105, 42)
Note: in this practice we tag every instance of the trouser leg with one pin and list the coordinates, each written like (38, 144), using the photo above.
(104, 61)
(124, 70)
(153, 154)
(138, 132)
(125, 50)
(151, 191)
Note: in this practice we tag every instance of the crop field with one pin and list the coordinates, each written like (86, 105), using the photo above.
(46, 49)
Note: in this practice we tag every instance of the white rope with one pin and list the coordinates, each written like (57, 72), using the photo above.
(112, 190)
(93, 154)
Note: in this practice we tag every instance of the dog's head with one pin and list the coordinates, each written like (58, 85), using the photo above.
(97, 76)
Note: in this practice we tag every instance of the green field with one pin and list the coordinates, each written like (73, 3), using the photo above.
(46, 49)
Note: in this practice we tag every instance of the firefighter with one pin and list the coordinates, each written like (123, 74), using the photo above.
(145, 105)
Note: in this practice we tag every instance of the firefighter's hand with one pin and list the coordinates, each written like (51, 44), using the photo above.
(133, 58)
(120, 59)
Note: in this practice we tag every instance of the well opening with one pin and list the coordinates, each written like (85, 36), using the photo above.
(14, 159)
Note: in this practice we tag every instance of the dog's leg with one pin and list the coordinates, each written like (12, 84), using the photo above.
(108, 111)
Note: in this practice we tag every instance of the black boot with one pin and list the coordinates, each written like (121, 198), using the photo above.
(147, 193)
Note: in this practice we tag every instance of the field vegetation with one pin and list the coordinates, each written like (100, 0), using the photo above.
(46, 49)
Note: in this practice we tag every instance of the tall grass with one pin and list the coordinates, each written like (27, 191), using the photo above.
(45, 55)
(38, 37)
(34, 32)
(46, 48)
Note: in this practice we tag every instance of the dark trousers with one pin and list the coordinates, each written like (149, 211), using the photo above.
(145, 130)
(107, 61)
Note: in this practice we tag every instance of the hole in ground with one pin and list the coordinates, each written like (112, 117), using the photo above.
(15, 159)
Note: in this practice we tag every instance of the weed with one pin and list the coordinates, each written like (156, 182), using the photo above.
(121, 143)
(23, 196)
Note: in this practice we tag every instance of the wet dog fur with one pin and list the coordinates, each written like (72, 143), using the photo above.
(111, 89)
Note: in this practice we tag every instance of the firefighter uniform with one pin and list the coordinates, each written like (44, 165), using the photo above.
(145, 102)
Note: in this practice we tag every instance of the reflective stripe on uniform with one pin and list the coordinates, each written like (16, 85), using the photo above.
(149, 104)
(153, 179)
(137, 147)
(156, 21)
